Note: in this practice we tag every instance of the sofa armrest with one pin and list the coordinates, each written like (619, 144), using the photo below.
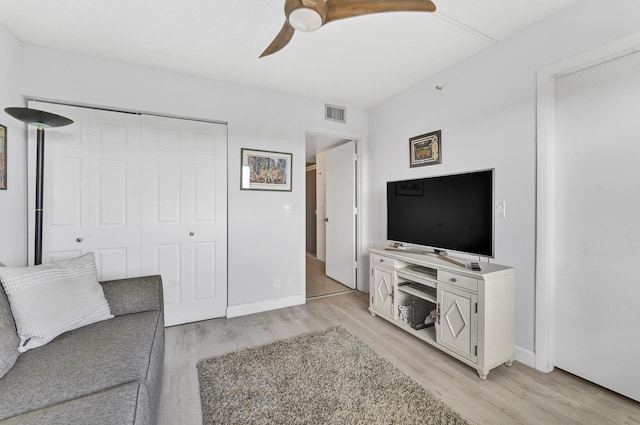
(134, 295)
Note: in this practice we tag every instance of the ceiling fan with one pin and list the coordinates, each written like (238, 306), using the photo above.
(309, 15)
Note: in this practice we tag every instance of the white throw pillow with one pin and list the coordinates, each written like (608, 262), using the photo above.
(50, 299)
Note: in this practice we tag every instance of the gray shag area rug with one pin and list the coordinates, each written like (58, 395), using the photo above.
(322, 377)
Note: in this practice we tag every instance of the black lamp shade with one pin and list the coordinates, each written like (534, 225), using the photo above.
(38, 118)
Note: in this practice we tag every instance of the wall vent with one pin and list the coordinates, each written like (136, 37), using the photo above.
(335, 113)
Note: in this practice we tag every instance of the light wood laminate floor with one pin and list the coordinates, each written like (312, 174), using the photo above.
(319, 284)
(516, 395)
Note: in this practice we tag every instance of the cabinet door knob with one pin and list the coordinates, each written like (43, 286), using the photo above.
(191, 233)
(453, 279)
(381, 260)
(78, 240)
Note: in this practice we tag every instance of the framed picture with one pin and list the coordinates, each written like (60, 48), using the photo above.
(3, 157)
(264, 170)
(425, 149)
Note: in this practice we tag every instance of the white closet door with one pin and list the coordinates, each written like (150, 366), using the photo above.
(184, 215)
(596, 230)
(91, 189)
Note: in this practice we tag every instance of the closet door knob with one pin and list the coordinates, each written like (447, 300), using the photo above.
(78, 240)
(191, 233)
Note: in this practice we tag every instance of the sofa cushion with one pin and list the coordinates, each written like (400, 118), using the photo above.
(133, 295)
(49, 299)
(8, 337)
(115, 406)
(81, 362)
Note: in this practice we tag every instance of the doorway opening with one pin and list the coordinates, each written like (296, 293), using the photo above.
(332, 222)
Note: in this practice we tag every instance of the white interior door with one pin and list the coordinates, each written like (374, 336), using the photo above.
(184, 210)
(91, 189)
(341, 258)
(596, 231)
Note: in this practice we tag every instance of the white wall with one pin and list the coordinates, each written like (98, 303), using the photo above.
(13, 201)
(487, 113)
(266, 229)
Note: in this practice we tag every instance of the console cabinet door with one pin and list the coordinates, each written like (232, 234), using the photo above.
(458, 327)
(382, 291)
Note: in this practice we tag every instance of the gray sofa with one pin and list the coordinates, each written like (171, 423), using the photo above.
(109, 372)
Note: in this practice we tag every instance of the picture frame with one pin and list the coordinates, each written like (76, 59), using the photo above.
(425, 149)
(3, 157)
(265, 170)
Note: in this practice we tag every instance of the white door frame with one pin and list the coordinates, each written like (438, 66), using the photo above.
(360, 140)
(545, 183)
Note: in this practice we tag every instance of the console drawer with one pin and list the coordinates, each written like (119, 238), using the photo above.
(382, 260)
(458, 280)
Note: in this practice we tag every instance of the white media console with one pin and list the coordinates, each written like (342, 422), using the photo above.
(473, 311)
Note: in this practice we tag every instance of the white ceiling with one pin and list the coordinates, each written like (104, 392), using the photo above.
(355, 62)
(318, 143)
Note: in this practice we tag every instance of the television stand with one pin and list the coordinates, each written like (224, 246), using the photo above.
(443, 256)
(437, 252)
(474, 311)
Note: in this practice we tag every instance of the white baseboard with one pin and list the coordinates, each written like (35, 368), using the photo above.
(259, 307)
(525, 357)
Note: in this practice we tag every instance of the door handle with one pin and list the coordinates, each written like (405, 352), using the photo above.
(191, 233)
(326, 219)
(78, 240)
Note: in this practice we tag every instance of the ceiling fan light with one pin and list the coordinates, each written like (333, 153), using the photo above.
(305, 19)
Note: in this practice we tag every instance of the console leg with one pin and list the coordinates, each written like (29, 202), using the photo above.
(509, 363)
(483, 375)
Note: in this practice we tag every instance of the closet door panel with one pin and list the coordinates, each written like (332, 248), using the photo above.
(168, 264)
(114, 192)
(66, 186)
(111, 196)
(184, 203)
(168, 208)
(204, 147)
(112, 262)
(91, 189)
(64, 194)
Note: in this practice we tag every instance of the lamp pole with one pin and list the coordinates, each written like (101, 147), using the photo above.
(42, 120)
(37, 254)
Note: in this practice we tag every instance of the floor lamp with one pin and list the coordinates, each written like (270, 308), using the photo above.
(41, 120)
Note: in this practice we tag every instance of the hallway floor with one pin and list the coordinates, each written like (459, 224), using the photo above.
(318, 284)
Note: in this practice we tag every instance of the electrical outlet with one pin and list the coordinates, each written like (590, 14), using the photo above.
(277, 282)
(287, 281)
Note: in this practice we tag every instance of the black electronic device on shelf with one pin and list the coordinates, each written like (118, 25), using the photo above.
(424, 270)
(420, 309)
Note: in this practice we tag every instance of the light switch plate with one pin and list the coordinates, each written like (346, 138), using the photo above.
(501, 209)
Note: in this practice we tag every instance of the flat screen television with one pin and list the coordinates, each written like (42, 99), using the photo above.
(452, 212)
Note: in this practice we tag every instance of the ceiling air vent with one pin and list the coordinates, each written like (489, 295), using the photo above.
(335, 113)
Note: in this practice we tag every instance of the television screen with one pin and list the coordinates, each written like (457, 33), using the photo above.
(444, 212)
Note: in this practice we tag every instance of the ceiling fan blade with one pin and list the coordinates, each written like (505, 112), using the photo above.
(282, 39)
(349, 8)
